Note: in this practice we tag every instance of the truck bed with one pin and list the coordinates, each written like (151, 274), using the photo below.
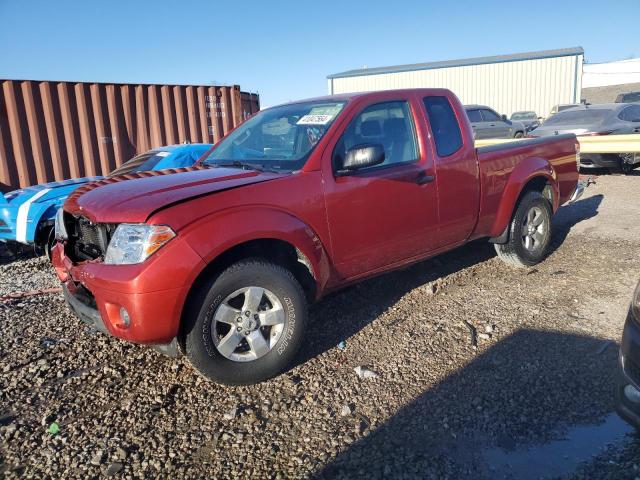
(556, 156)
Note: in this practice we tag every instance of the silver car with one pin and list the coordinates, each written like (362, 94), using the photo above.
(486, 123)
(604, 119)
(528, 118)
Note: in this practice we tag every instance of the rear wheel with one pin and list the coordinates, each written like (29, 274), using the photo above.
(518, 135)
(529, 232)
(247, 325)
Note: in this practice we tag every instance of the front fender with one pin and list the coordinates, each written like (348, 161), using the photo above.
(212, 236)
(38, 215)
(522, 173)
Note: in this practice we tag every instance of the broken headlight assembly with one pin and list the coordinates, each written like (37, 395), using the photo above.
(134, 243)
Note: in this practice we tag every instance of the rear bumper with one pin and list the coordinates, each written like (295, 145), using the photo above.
(595, 160)
(579, 190)
(630, 366)
(152, 293)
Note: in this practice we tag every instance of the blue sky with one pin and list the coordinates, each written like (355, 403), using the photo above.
(285, 49)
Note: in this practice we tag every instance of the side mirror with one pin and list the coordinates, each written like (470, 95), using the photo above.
(503, 117)
(361, 156)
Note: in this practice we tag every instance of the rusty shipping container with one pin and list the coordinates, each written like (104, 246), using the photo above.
(52, 131)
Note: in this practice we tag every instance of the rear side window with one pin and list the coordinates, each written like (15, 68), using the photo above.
(629, 97)
(490, 116)
(630, 114)
(474, 116)
(444, 124)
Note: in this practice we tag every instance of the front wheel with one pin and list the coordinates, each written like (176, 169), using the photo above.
(247, 325)
(518, 135)
(529, 232)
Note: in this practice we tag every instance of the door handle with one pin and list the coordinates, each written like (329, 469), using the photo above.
(423, 178)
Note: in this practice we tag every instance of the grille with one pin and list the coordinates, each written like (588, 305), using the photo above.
(87, 240)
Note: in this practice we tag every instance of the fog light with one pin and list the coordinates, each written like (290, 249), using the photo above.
(124, 316)
(632, 394)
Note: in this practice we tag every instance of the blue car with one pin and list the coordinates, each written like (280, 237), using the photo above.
(27, 215)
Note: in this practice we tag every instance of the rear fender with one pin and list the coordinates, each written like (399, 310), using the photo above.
(210, 237)
(523, 173)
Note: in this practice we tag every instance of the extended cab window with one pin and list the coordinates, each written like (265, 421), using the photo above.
(444, 125)
(489, 116)
(388, 124)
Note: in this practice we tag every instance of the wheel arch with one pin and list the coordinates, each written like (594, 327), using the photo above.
(274, 235)
(532, 174)
(276, 250)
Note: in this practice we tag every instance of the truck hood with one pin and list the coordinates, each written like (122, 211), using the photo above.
(134, 197)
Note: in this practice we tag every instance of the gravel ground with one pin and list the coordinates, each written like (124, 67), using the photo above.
(440, 407)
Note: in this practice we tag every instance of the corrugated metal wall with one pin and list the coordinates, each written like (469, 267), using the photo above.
(52, 131)
(507, 87)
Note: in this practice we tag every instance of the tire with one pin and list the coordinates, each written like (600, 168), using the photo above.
(213, 328)
(626, 166)
(518, 135)
(518, 251)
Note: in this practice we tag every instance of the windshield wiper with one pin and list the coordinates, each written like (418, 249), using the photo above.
(237, 164)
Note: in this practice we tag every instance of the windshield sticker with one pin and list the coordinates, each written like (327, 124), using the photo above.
(315, 120)
(163, 154)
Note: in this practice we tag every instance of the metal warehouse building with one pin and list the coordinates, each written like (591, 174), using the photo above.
(524, 81)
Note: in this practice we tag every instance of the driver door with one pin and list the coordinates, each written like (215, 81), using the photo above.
(383, 214)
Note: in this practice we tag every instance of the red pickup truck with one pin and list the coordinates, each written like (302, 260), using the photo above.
(220, 260)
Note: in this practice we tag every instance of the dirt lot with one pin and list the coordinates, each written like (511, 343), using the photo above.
(533, 400)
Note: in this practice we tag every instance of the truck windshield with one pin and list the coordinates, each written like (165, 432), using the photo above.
(280, 138)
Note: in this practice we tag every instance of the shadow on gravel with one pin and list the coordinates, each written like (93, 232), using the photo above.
(343, 314)
(14, 252)
(568, 216)
(499, 416)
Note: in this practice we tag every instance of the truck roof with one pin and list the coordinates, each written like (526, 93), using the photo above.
(473, 106)
(378, 93)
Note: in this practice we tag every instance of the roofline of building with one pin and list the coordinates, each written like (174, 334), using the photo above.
(465, 62)
(132, 84)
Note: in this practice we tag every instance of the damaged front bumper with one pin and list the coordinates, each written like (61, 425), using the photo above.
(82, 307)
(140, 303)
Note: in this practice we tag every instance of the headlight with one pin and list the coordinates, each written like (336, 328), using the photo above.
(60, 229)
(635, 303)
(134, 243)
